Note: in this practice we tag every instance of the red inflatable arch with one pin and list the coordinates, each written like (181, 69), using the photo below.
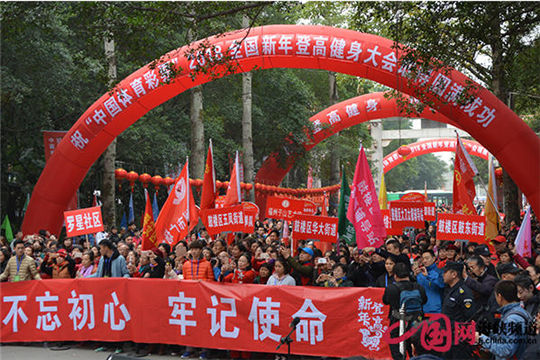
(487, 119)
(336, 118)
(393, 159)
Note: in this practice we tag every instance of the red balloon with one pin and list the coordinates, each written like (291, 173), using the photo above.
(404, 150)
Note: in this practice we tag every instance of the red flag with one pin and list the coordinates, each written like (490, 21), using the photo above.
(464, 172)
(208, 196)
(310, 178)
(364, 211)
(149, 230)
(324, 210)
(234, 196)
(179, 214)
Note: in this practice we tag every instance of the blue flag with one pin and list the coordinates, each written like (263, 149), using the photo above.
(131, 215)
(123, 222)
(155, 207)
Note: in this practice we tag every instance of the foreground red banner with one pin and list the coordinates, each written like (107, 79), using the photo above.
(338, 322)
(322, 228)
(83, 221)
(461, 227)
(285, 208)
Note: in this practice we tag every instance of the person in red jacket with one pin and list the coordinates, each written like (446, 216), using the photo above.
(243, 274)
(197, 268)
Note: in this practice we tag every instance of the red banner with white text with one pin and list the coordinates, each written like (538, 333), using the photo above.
(461, 227)
(323, 228)
(83, 221)
(238, 218)
(430, 211)
(387, 220)
(337, 322)
(285, 208)
(406, 214)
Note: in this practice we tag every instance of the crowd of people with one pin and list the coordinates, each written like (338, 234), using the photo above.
(487, 283)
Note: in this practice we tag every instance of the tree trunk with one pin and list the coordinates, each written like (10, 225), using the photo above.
(196, 162)
(247, 136)
(510, 190)
(109, 156)
(335, 155)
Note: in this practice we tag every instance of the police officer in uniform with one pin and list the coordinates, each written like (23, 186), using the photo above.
(458, 306)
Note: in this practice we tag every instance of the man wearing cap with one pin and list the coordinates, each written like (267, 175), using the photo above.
(302, 268)
(60, 270)
(476, 277)
(483, 251)
(458, 305)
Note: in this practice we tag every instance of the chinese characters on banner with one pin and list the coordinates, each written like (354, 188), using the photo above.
(239, 218)
(51, 139)
(388, 223)
(406, 214)
(286, 208)
(323, 228)
(83, 221)
(198, 314)
(430, 211)
(461, 227)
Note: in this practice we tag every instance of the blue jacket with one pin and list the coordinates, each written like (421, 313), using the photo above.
(508, 342)
(118, 266)
(433, 283)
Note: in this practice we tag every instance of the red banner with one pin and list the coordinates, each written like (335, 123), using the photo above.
(50, 140)
(322, 228)
(83, 221)
(278, 207)
(239, 218)
(406, 214)
(430, 212)
(199, 314)
(388, 223)
(461, 227)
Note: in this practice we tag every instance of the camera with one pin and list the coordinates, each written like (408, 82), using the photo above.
(321, 261)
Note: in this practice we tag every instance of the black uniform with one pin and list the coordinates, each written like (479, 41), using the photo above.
(459, 306)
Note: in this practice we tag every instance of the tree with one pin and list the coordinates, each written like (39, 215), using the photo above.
(460, 34)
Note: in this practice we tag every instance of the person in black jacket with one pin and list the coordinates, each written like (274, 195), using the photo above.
(359, 270)
(391, 297)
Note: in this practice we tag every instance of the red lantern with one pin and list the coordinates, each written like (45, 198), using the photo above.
(168, 181)
(145, 179)
(156, 181)
(499, 173)
(198, 183)
(132, 176)
(249, 187)
(404, 150)
(120, 174)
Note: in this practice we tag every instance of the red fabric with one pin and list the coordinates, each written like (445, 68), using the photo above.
(241, 277)
(520, 260)
(364, 211)
(172, 224)
(149, 240)
(234, 195)
(463, 190)
(208, 196)
(155, 308)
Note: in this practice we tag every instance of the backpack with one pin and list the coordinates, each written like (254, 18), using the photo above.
(412, 301)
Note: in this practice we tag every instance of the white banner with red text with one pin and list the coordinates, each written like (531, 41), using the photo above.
(337, 322)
